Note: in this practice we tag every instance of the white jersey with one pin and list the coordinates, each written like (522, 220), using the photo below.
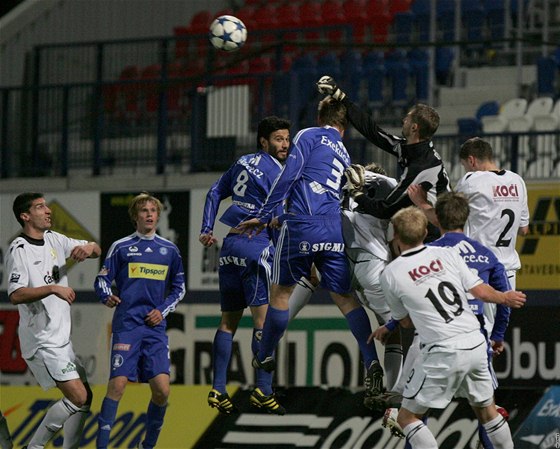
(36, 263)
(429, 284)
(366, 231)
(498, 208)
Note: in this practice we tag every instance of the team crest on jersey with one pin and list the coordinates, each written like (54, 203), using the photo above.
(163, 251)
(117, 361)
(304, 247)
(422, 272)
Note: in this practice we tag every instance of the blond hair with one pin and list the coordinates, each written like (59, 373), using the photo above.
(139, 201)
(410, 225)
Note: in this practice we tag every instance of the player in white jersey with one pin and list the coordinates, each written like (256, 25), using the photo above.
(38, 285)
(425, 288)
(366, 238)
(498, 207)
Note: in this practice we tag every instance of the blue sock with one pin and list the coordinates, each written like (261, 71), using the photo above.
(275, 324)
(358, 322)
(221, 355)
(264, 379)
(154, 423)
(483, 437)
(105, 421)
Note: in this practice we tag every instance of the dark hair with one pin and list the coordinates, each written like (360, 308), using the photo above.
(452, 210)
(332, 112)
(22, 204)
(478, 148)
(268, 125)
(427, 120)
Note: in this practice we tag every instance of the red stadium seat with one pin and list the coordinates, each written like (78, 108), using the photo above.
(355, 14)
(310, 13)
(333, 14)
(380, 19)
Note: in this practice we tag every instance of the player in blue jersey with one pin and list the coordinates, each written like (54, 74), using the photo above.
(148, 272)
(311, 232)
(245, 263)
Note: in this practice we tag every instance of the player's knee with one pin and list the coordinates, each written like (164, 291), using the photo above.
(160, 396)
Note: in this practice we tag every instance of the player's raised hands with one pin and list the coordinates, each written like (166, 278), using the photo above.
(327, 86)
(355, 179)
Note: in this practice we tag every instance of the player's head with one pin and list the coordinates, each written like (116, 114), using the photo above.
(410, 226)
(332, 113)
(452, 211)
(375, 168)
(477, 148)
(273, 136)
(144, 211)
(22, 204)
(420, 123)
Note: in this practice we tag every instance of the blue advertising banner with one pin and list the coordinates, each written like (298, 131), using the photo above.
(541, 429)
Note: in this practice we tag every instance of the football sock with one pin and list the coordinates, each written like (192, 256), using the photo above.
(499, 433)
(360, 326)
(221, 355)
(5, 438)
(419, 436)
(300, 296)
(392, 361)
(263, 379)
(105, 422)
(274, 326)
(154, 423)
(74, 428)
(483, 438)
(53, 421)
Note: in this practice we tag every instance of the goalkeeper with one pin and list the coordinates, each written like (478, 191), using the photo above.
(419, 162)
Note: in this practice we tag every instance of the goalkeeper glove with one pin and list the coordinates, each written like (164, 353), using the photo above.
(327, 86)
(355, 176)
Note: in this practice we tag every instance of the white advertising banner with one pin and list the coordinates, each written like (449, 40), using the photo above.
(203, 262)
(318, 348)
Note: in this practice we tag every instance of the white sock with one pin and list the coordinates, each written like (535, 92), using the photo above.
(499, 433)
(300, 296)
(419, 436)
(74, 428)
(5, 438)
(392, 363)
(53, 421)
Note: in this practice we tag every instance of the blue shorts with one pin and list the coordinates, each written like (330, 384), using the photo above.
(140, 354)
(307, 240)
(244, 271)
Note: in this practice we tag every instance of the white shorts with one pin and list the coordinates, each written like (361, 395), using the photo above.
(365, 280)
(51, 365)
(454, 367)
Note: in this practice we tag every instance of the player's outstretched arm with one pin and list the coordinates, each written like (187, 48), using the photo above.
(420, 199)
(26, 295)
(327, 86)
(82, 252)
(510, 298)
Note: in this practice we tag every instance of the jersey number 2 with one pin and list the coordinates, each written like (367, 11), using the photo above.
(511, 218)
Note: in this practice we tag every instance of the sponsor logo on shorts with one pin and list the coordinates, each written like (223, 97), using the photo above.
(304, 247)
(70, 367)
(328, 246)
(147, 271)
(117, 361)
(228, 260)
(435, 266)
(121, 347)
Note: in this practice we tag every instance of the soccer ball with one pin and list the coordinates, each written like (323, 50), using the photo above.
(228, 33)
